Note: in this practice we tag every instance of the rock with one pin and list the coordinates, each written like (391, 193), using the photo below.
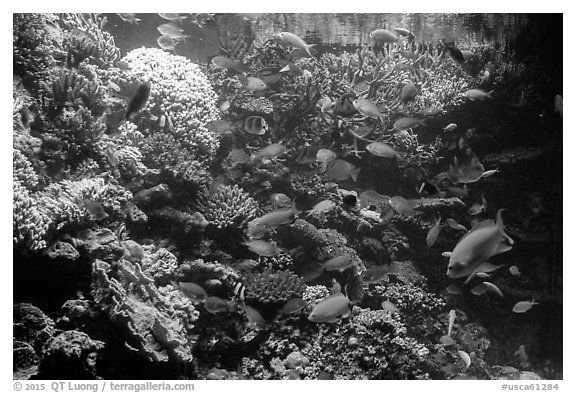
(158, 193)
(25, 360)
(296, 359)
(135, 215)
(101, 243)
(31, 325)
(63, 251)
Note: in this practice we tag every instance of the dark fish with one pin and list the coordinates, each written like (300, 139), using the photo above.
(255, 125)
(349, 200)
(408, 93)
(95, 210)
(25, 116)
(123, 65)
(138, 100)
(454, 52)
(192, 291)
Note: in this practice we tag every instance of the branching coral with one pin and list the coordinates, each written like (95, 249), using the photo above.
(156, 325)
(228, 207)
(160, 265)
(179, 91)
(22, 170)
(273, 286)
(30, 223)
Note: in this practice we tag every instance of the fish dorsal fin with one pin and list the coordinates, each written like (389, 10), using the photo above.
(481, 224)
(503, 247)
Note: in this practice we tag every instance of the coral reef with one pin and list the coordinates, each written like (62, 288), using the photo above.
(228, 207)
(273, 286)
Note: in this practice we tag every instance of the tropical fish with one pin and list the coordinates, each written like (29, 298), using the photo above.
(483, 275)
(172, 17)
(388, 306)
(522, 355)
(478, 208)
(138, 100)
(383, 35)
(192, 291)
(382, 149)
(294, 306)
(558, 104)
(405, 123)
(480, 244)
(433, 232)
(514, 270)
(255, 320)
(229, 64)
(324, 156)
(275, 218)
(330, 309)
(271, 151)
(95, 210)
(219, 126)
(293, 40)
(447, 340)
(368, 108)
(269, 76)
(322, 207)
(281, 200)
(450, 127)
(261, 247)
(402, 206)
(130, 18)
(408, 92)
(215, 305)
(172, 31)
(123, 65)
(466, 358)
(166, 42)
(197, 220)
(477, 94)
(342, 170)
(490, 172)
(255, 125)
(340, 263)
(479, 289)
(453, 289)
(451, 319)
(238, 156)
(252, 83)
(454, 52)
(493, 288)
(375, 274)
(523, 306)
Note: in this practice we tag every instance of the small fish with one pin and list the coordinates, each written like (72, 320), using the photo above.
(558, 104)
(453, 289)
(322, 207)
(336, 287)
(239, 288)
(514, 270)
(375, 274)
(238, 156)
(191, 290)
(477, 94)
(113, 86)
(454, 52)
(466, 358)
(368, 108)
(172, 31)
(261, 247)
(522, 355)
(342, 170)
(330, 309)
(388, 306)
(275, 218)
(197, 220)
(409, 91)
(450, 127)
(255, 320)
(478, 208)
(173, 17)
(324, 156)
(523, 306)
(293, 40)
(294, 306)
(219, 127)
(483, 275)
(271, 151)
(405, 123)
(255, 125)
(447, 340)
(490, 172)
(132, 251)
(433, 233)
(25, 116)
(166, 42)
(383, 36)
(130, 18)
(281, 200)
(402, 206)
(229, 64)
(123, 65)
(138, 100)
(340, 263)
(493, 288)
(95, 210)
(479, 289)
(292, 69)
(215, 305)
(451, 319)
(252, 83)
(382, 149)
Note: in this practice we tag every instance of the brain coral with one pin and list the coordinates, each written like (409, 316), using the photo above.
(180, 91)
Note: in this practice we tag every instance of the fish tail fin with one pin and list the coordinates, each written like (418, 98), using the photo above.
(293, 207)
(489, 94)
(307, 47)
(354, 174)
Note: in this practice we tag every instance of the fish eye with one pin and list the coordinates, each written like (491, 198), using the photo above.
(450, 267)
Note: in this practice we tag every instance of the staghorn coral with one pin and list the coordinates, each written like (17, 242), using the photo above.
(228, 207)
(181, 92)
(273, 286)
(30, 223)
(22, 170)
(156, 325)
